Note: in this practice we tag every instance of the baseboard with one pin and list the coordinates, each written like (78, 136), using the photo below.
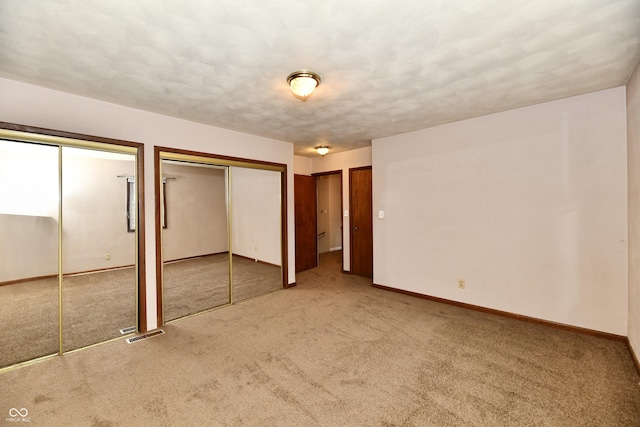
(99, 270)
(290, 285)
(634, 356)
(76, 273)
(169, 261)
(257, 260)
(28, 279)
(346, 272)
(510, 315)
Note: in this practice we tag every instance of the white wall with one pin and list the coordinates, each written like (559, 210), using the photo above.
(28, 246)
(335, 212)
(255, 214)
(633, 162)
(196, 199)
(36, 106)
(343, 161)
(302, 165)
(529, 206)
(94, 211)
(28, 211)
(29, 182)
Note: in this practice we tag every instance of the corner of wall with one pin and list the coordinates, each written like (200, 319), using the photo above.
(633, 198)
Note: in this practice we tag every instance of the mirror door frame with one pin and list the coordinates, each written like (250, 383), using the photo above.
(32, 134)
(168, 153)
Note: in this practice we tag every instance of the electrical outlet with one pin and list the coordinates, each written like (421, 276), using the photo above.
(461, 284)
(107, 256)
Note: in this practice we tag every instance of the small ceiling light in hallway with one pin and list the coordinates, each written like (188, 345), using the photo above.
(322, 150)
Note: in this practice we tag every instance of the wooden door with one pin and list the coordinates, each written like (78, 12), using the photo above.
(361, 207)
(304, 190)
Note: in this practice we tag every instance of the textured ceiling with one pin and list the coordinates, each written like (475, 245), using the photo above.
(388, 67)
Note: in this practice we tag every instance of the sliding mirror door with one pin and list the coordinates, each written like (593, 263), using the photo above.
(206, 207)
(99, 246)
(256, 232)
(195, 239)
(29, 310)
(69, 232)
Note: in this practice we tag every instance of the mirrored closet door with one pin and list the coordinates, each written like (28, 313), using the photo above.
(195, 238)
(98, 247)
(221, 225)
(68, 249)
(256, 231)
(29, 310)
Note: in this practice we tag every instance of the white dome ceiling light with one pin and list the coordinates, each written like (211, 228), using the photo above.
(322, 150)
(303, 83)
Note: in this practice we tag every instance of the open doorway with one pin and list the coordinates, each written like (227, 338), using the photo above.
(329, 220)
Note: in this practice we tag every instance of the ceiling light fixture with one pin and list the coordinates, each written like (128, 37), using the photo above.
(303, 83)
(322, 150)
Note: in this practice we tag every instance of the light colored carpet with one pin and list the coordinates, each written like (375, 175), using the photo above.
(199, 284)
(97, 305)
(334, 351)
(29, 315)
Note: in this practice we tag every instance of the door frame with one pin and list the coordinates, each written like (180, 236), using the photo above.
(188, 155)
(57, 138)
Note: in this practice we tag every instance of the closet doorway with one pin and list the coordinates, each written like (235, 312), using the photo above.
(329, 219)
(221, 222)
(70, 271)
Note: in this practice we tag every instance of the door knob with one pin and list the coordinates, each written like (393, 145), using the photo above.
(355, 228)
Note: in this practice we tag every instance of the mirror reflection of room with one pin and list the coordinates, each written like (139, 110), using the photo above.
(209, 209)
(195, 242)
(98, 253)
(256, 232)
(28, 251)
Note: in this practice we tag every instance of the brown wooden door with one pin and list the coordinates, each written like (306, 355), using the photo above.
(304, 191)
(361, 207)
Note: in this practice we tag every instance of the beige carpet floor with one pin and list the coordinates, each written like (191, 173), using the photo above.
(98, 305)
(199, 284)
(334, 351)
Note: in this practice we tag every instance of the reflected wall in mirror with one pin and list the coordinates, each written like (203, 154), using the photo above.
(29, 310)
(256, 232)
(99, 254)
(195, 243)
